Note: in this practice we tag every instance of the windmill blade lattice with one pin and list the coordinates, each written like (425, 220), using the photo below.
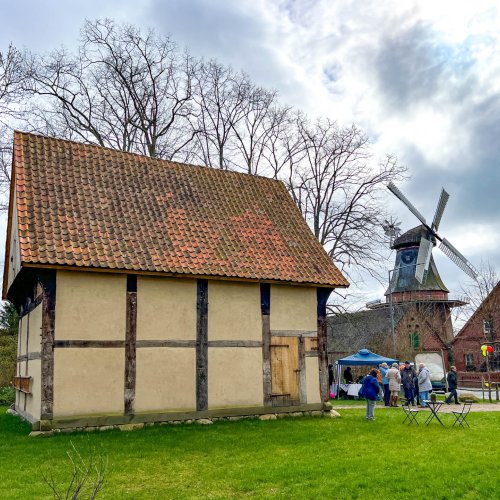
(448, 249)
(423, 259)
(443, 200)
(407, 202)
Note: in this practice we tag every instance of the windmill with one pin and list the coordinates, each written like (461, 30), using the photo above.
(391, 229)
(430, 236)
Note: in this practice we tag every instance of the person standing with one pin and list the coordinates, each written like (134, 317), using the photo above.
(415, 385)
(452, 385)
(394, 384)
(348, 375)
(407, 375)
(371, 389)
(384, 368)
(424, 384)
(330, 376)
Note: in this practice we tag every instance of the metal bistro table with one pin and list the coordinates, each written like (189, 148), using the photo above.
(434, 406)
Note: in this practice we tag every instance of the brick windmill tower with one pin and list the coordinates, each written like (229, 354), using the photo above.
(416, 289)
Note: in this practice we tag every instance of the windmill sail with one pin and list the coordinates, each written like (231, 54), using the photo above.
(448, 249)
(423, 259)
(407, 202)
(443, 200)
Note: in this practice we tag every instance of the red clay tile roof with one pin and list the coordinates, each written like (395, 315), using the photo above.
(92, 207)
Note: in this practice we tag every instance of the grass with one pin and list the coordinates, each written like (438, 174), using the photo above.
(341, 458)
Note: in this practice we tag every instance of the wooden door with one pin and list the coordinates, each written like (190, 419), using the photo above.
(285, 371)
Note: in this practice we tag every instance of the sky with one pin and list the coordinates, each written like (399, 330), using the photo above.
(422, 78)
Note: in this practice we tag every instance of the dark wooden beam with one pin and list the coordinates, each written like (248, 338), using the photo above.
(30, 356)
(48, 283)
(130, 344)
(265, 306)
(202, 345)
(61, 344)
(165, 343)
(234, 343)
(294, 333)
(322, 299)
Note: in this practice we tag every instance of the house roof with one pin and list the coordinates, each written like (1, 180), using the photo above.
(350, 332)
(88, 207)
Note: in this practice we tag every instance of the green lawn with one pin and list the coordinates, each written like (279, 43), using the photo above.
(346, 457)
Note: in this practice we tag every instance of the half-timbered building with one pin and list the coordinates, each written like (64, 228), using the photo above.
(151, 290)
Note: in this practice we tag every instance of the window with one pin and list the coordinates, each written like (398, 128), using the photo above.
(487, 325)
(414, 340)
(469, 359)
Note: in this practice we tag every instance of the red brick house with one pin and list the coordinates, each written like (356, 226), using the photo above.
(481, 329)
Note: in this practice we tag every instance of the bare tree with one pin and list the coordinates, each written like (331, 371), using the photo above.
(122, 89)
(11, 82)
(86, 477)
(262, 119)
(137, 92)
(284, 149)
(337, 188)
(221, 96)
(11, 79)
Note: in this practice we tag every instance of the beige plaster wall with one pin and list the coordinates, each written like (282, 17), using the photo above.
(312, 380)
(35, 334)
(166, 379)
(89, 380)
(90, 306)
(234, 311)
(34, 400)
(166, 309)
(235, 377)
(293, 308)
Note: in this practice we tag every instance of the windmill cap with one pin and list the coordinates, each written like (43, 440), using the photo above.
(410, 238)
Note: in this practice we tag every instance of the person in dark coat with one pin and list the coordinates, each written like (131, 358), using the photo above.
(330, 377)
(452, 385)
(407, 376)
(415, 385)
(348, 375)
(371, 389)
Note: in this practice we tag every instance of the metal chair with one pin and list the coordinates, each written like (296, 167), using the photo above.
(461, 416)
(410, 413)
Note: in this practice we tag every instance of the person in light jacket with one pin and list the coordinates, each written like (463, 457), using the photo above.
(424, 383)
(384, 368)
(394, 383)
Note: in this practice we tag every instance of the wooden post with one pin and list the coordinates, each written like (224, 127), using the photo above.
(130, 344)
(265, 306)
(202, 345)
(302, 371)
(48, 282)
(322, 299)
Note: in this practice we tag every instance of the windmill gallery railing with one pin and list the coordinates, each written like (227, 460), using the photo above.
(425, 296)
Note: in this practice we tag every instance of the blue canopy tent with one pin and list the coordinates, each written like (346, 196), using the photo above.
(362, 357)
